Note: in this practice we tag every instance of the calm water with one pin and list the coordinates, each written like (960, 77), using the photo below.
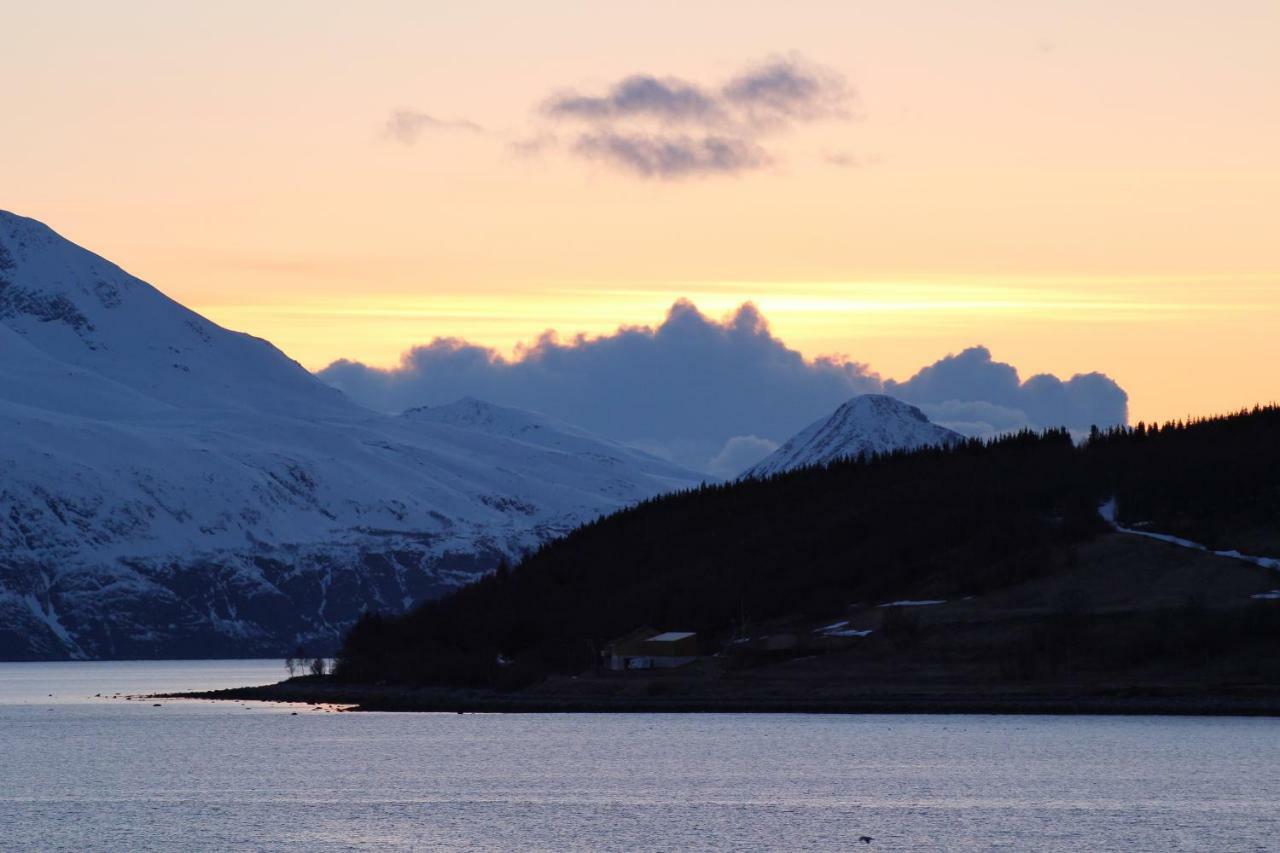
(79, 772)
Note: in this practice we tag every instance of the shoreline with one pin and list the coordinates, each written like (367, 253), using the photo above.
(1118, 702)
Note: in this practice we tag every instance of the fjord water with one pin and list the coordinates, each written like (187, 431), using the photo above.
(82, 772)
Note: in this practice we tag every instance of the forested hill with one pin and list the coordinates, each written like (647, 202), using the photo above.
(939, 522)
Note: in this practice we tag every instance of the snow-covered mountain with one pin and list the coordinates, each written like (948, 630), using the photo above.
(170, 488)
(866, 425)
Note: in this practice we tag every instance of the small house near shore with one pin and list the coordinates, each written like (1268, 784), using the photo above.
(646, 648)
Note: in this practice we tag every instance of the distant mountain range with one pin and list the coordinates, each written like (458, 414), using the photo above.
(169, 488)
(864, 426)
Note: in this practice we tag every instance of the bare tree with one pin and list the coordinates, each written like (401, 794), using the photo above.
(297, 662)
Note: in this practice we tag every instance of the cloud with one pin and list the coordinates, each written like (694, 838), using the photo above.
(669, 100)
(682, 388)
(712, 394)
(738, 454)
(669, 128)
(842, 159)
(532, 146)
(1043, 400)
(407, 126)
(784, 90)
(671, 156)
(976, 418)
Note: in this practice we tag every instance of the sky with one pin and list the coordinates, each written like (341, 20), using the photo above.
(1075, 187)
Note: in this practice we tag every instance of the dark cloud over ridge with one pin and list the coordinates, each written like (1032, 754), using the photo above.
(952, 387)
(709, 393)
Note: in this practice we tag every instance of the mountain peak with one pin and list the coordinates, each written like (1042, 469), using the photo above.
(863, 426)
(65, 305)
(171, 487)
(882, 405)
(12, 222)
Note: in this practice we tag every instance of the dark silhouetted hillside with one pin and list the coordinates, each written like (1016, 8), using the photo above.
(944, 523)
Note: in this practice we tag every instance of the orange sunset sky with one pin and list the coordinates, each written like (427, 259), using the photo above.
(1078, 186)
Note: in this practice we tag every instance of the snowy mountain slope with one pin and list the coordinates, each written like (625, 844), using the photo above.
(866, 425)
(170, 488)
(532, 433)
(89, 314)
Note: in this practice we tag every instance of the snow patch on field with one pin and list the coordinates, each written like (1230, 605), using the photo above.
(1108, 513)
(912, 602)
(1265, 562)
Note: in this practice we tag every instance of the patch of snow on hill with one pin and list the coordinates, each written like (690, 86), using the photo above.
(1108, 512)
